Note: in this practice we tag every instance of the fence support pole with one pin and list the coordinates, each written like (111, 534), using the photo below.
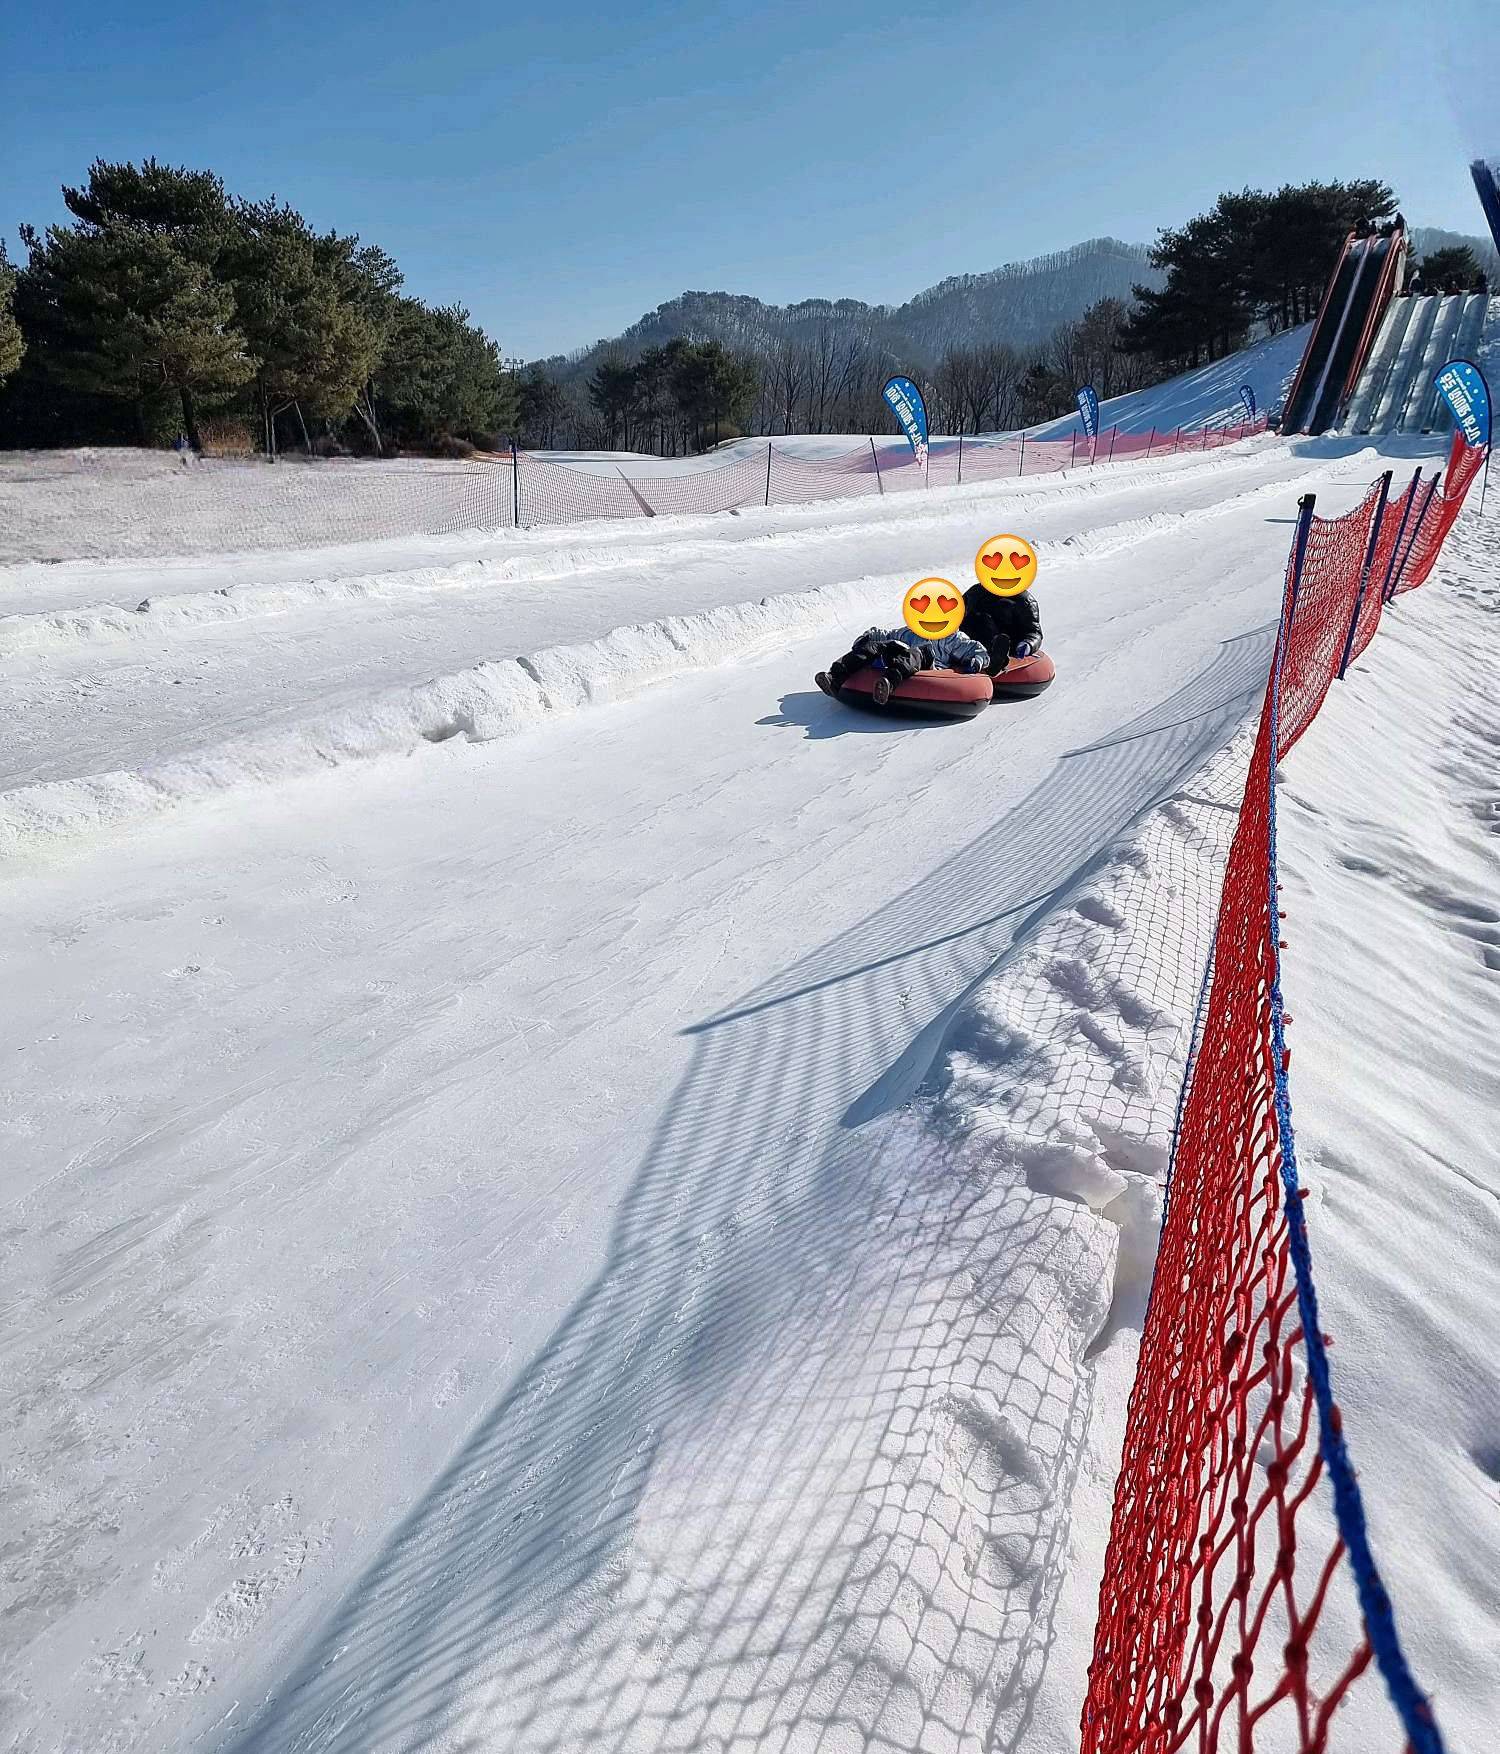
(1364, 571)
(1151, 441)
(1177, 439)
(1416, 530)
(1299, 555)
(1022, 469)
(1072, 449)
(515, 485)
(875, 457)
(1114, 433)
(1411, 500)
(768, 471)
(960, 459)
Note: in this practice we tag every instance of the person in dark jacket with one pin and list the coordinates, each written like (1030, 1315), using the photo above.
(1007, 627)
(900, 655)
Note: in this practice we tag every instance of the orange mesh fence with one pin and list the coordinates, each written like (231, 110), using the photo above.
(1241, 1602)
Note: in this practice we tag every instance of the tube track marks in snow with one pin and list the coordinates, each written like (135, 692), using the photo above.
(798, 1466)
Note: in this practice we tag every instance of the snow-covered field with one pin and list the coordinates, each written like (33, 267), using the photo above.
(566, 1192)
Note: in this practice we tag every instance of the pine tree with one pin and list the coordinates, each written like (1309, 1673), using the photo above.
(313, 328)
(541, 407)
(1455, 269)
(12, 346)
(442, 377)
(126, 302)
(712, 387)
(612, 391)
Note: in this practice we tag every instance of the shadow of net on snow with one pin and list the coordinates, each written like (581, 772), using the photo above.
(795, 1472)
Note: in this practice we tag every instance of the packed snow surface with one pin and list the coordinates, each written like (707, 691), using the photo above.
(567, 1192)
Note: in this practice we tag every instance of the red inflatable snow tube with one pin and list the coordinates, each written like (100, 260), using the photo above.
(1025, 677)
(949, 694)
(936, 694)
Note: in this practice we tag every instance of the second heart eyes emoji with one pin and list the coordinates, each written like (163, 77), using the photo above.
(1005, 565)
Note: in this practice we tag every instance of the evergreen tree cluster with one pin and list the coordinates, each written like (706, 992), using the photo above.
(168, 305)
(1252, 259)
(1452, 269)
(681, 397)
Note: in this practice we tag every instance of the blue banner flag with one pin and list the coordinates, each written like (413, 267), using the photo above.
(1247, 396)
(1088, 407)
(906, 404)
(1462, 387)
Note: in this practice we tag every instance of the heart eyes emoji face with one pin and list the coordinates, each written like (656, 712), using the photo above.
(1006, 565)
(933, 608)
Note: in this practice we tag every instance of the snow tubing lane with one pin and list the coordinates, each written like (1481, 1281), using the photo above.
(934, 694)
(1025, 677)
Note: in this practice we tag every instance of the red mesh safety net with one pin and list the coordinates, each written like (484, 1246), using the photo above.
(1436, 518)
(1331, 572)
(1239, 1606)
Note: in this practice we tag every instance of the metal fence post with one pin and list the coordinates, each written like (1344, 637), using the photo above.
(1114, 433)
(515, 485)
(768, 471)
(1364, 571)
(875, 457)
(1177, 439)
(1416, 531)
(1151, 441)
(1411, 500)
(960, 459)
(1022, 469)
(1072, 449)
(1299, 556)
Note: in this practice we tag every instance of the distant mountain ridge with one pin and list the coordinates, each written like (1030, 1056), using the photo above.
(1020, 303)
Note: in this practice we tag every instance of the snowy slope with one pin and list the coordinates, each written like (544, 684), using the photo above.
(1208, 396)
(474, 1278)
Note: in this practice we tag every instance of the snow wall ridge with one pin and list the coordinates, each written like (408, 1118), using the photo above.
(494, 699)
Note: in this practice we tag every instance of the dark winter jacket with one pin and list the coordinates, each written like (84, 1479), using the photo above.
(956, 651)
(1001, 623)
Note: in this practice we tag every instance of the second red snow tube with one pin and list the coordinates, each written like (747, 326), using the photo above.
(936, 694)
(1025, 677)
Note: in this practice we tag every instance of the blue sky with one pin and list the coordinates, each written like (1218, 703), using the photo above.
(563, 169)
